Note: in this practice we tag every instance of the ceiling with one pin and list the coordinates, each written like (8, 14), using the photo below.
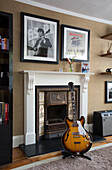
(99, 10)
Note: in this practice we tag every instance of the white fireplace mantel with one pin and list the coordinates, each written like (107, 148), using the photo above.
(50, 78)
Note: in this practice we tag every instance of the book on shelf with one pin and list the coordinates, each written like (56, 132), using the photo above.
(4, 111)
(4, 43)
(0, 112)
(0, 42)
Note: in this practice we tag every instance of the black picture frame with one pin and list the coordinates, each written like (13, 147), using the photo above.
(108, 91)
(75, 43)
(44, 49)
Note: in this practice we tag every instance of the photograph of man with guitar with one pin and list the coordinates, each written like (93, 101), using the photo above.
(39, 39)
(42, 44)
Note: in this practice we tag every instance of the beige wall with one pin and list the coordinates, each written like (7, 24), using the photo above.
(97, 64)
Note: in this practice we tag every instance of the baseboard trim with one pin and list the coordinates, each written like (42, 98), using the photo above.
(17, 140)
(89, 127)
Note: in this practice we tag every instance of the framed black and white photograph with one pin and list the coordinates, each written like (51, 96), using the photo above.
(108, 91)
(39, 39)
(75, 43)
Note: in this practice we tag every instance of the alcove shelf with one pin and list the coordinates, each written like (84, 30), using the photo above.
(108, 36)
(106, 55)
(106, 73)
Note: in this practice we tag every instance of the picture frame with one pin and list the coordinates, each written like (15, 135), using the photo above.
(39, 39)
(85, 67)
(108, 91)
(75, 43)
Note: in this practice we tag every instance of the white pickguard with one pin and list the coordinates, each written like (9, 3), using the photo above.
(81, 129)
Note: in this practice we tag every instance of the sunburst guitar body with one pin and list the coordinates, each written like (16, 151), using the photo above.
(76, 139)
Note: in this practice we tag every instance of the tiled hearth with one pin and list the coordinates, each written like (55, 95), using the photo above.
(47, 78)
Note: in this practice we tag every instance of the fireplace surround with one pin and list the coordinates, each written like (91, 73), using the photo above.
(50, 78)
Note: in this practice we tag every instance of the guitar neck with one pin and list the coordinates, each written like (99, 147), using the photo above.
(74, 107)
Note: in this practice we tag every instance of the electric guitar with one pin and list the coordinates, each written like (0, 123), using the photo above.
(76, 139)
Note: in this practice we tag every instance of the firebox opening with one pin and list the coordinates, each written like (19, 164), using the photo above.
(56, 113)
(54, 124)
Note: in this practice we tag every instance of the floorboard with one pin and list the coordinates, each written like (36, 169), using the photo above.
(20, 159)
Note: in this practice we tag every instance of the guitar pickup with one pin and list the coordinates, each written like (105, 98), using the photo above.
(77, 142)
(76, 136)
(75, 133)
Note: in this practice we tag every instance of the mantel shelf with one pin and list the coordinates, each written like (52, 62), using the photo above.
(56, 72)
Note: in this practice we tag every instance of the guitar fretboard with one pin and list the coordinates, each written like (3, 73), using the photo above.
(74, 107)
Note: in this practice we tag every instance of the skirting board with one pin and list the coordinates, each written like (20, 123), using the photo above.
(89, 127)
(17, 140)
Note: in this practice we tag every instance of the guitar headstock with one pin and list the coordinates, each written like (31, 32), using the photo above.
(70, 84)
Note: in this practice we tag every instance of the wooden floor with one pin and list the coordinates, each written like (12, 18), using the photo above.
(19, 158)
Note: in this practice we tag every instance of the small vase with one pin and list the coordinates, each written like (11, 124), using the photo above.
(71, 68)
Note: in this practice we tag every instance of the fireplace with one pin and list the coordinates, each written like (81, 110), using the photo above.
(53, 105)
(50, 78)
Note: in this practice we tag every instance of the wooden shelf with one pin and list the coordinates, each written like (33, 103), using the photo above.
(108, 36)
(106, 73)
(4, 87)
(106, 55)
(4, 123)
(4, 51)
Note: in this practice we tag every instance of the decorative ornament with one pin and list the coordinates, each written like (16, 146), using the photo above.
(70, 61)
